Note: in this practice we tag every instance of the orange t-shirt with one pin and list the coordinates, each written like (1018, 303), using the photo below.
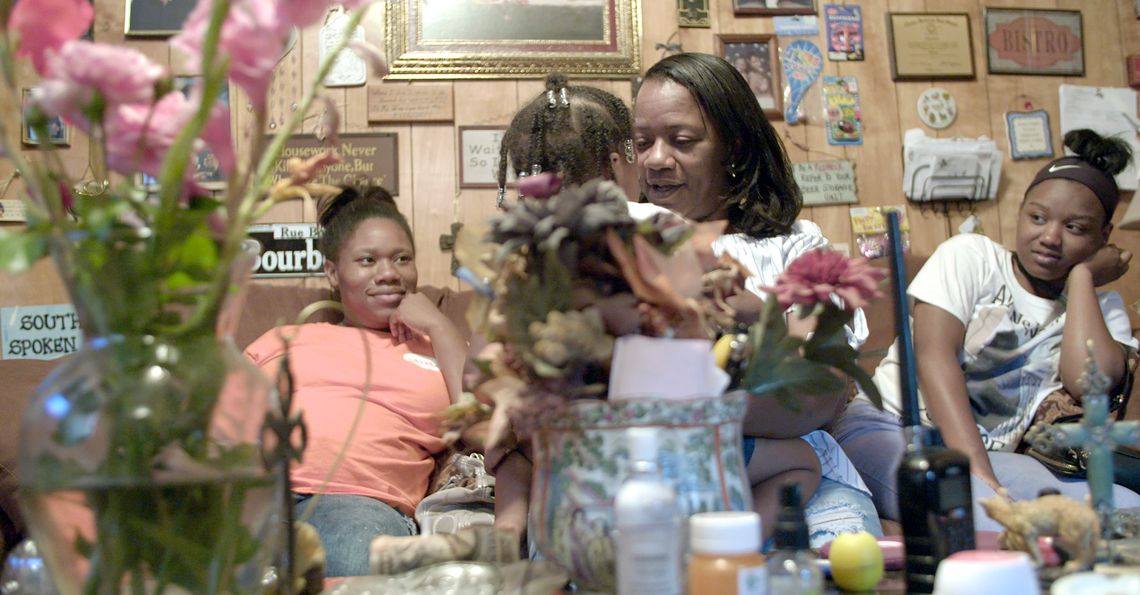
(390, 456)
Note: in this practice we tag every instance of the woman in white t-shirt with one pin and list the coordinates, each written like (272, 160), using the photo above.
(996, 331)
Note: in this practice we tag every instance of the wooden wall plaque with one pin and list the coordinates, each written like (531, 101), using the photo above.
(401, 102)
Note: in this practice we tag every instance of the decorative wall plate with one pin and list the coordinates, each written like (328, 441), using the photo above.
(936, 108)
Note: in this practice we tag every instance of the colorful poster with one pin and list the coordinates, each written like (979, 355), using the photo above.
(844, 32)
(841, 110)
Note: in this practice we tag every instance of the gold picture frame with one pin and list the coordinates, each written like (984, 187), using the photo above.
(930, 45)
(480, 40)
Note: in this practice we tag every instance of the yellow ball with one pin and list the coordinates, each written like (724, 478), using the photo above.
(856, 561)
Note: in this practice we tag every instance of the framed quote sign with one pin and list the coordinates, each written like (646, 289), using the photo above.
(479, 157)
(368, 158)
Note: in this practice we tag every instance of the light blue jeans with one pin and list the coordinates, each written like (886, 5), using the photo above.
(874, 441)
(832, 510)
(347, 525)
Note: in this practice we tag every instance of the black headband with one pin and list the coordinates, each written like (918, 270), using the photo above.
(1073, 168)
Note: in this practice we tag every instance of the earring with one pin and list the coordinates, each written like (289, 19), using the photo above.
(550, 100)
(732, 171)
(501, 198)
(629, 157)
(564, 96)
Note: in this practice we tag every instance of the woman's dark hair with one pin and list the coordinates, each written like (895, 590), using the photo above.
(1108, 154)
(763, 197)
(569, 129)
(339, 216)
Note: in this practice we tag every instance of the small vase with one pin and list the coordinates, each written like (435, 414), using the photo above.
(581, 459)
(141, 468)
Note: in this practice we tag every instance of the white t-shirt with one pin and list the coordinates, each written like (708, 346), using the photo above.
(765, 259)
(1013, 338)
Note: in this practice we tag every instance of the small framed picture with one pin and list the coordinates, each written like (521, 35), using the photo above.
(58, 132)
(1034, 41)
(479, 157)
(757, 59)
(207, 170)
(156, 18)
(773, 7)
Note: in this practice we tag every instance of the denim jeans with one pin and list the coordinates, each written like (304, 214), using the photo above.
(347, 524)
(832, 510)
(874, 441)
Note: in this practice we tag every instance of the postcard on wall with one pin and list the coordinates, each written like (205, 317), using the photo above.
(841, 110)
(844, 32)
(1029, 136)
(13, 209)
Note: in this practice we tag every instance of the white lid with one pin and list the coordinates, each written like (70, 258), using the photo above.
(724, 532)
(642, 444)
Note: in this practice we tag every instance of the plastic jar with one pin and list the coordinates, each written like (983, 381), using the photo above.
(725, 554)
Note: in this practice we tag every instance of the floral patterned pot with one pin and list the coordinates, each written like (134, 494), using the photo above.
(581, 459)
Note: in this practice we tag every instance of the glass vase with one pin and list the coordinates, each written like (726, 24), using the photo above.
(581, 459)
(141, 469)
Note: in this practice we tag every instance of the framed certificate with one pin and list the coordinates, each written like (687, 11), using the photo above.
(930, 46)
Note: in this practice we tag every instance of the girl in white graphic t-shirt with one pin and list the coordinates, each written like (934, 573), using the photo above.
(996, 331)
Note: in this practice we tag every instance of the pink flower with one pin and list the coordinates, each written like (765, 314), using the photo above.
(819, 274)
(543, 185)
(45, 25)
(302, 13)
(252, 38)
(82, 69)
(138, 140)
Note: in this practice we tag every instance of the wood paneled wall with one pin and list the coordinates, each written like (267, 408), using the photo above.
(428, 175)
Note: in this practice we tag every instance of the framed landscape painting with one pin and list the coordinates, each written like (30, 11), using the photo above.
(428, 39)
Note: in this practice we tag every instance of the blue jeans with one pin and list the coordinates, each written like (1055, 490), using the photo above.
(874, 441)
(347, 525)
(833, 509)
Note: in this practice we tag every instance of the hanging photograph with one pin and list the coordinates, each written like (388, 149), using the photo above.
(207, 169)
(1030, 41)
(770, 7)
(476, 39)
(156, 18)
(57, 132)
(757, 59)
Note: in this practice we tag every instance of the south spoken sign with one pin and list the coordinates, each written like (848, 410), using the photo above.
(40, 332)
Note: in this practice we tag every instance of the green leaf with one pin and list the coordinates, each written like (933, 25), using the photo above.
(20, 250)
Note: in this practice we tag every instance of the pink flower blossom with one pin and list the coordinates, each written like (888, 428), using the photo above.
(82, 69)
(816, 276)
(45, 25)
(252, 37)
(138, 140)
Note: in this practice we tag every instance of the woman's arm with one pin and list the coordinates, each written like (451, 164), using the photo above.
(417, 314)
(938, 338)
(1084, 320)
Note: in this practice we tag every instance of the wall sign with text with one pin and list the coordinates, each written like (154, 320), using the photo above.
(40, 332)
(828, 182)
(479, 157)
(285, 250)
(1028, 41)
(368, 158)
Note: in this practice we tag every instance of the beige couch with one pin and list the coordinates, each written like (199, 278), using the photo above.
(267, 304)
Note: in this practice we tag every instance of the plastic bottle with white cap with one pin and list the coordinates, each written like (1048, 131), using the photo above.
(648, 522)
(726, 558)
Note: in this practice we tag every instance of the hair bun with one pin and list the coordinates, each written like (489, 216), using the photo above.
(556, 81)
(1109, 155)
